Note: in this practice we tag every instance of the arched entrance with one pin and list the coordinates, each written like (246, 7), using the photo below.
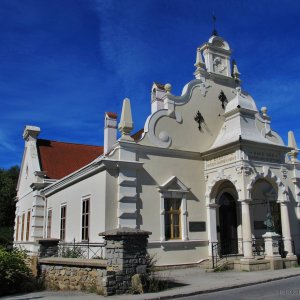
(264, 201)
(228, 224)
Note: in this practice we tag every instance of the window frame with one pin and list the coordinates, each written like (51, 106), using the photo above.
(49, 223)
(17, 227)
(170, 214)
(63, 222)
(22, 226)
(28, 218)
(174, 189)
(85, 218)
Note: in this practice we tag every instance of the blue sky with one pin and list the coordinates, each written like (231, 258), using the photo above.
(63, 63)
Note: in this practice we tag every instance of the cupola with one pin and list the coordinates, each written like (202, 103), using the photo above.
(216, 54)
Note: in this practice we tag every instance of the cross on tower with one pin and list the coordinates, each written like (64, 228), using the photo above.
(214, 25)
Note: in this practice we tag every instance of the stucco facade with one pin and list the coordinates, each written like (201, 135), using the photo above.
(207, 168)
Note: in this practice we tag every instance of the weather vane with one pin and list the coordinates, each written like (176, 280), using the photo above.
(214, 24)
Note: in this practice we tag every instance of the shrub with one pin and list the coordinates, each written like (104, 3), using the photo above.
(74, 252)
(149, 282)
(15, 276)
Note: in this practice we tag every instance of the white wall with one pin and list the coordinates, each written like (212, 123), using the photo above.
(93, 187)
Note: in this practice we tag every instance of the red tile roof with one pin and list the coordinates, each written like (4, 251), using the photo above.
(59, 159)
(136, 136)
(161, 86)
(112, 115)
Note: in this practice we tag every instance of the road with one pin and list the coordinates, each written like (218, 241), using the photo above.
(279, 289)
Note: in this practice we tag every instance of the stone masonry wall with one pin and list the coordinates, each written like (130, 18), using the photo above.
(82, 278)
(126, 254)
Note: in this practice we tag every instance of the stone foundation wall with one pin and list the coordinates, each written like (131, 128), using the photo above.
(74, 275)
(126, 255)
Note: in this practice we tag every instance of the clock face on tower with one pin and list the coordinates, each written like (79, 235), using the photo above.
(219, 66)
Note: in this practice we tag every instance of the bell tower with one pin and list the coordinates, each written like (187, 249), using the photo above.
(216, 54)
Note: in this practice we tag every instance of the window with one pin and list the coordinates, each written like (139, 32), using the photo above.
(173, 210)
(22, 228)
(172, 218)
(63, 212)
(17, 229)
(85, 219)
(49, 223)
(28, 225)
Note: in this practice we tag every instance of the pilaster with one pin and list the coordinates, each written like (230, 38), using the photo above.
(37, 224)
(127, 185)
(211, 211)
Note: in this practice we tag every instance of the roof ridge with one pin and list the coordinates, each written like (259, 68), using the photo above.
(89, 145)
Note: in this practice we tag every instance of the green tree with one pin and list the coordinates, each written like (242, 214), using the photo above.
(8, 184)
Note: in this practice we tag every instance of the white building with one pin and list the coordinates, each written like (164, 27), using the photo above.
(206, 168)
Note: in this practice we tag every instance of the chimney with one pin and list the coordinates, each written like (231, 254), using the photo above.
(110, 131)
(31, 133)
(157, 94)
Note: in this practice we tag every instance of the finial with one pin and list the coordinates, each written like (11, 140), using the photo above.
(126, 124)
(214, 25)
(264, 112)
(238, 91)
(199, 60)
(235, 72)
(292, 141)
(168, 88)
(292, 144)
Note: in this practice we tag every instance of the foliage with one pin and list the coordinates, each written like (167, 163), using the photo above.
(15, 275)
(6, 234)
(149, 282)
(222, 268)
(8, 184)
(73, 252)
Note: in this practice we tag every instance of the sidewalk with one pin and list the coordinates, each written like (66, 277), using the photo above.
(190, 282)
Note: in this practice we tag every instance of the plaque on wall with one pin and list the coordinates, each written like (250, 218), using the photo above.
(197, 226)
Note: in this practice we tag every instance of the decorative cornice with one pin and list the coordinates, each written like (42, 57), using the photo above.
(115, 164)
(241, 143)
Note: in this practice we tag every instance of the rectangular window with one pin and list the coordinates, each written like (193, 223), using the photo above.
(17, 229)
(28, 225)
(63, 212)
(85, 219)
(49, 223)
(172, 218)
(22, 227)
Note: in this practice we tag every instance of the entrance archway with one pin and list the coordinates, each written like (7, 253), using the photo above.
(264, 201)
(228, 224)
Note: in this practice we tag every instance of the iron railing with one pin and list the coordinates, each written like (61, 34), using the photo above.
(258, 247)
(223, 250)
(81, 250)
(281, 249)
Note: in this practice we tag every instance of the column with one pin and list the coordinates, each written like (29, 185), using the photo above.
(246, 229)
(184, 218)
(212, 226)
(286, 231)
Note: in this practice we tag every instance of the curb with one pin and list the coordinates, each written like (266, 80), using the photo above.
(189, 294)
